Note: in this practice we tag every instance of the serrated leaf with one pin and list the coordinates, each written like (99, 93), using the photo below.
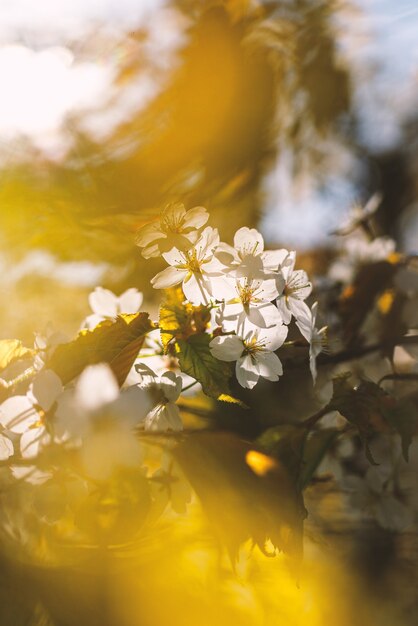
(297, 449)
(12, 350)
(196, 360)
(180, 319)
(362, 406)
(114, 342)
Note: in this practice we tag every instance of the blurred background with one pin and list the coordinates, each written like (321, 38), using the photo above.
(277, 114)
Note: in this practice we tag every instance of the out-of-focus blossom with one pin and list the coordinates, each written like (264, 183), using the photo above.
(27, 415)
(374, 495)
(358, 251)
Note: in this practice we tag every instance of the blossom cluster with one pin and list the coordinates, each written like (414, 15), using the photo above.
(254, 293)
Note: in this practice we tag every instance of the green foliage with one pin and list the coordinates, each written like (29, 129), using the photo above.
(12, 350)
(298, 450)
(246, 503)
(196, 360)
(372, 410)
(180, 319)
(114, 342)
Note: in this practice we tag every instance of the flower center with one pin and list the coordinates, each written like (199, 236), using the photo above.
(253, 345)
(293, 286)
(246, 294)
(171, 222)
(193, 264)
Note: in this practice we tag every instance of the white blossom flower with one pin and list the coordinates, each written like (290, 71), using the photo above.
(248, 258)
(27, 415)
(96, 396)
(164, 390)
(250, 300)
(253, 353)
(316, 338)
(177, 228)
(197, 269)
(360, 215)
(100, 420)
(106, 305)
(374, 495)
(358, 251)
(296, 289)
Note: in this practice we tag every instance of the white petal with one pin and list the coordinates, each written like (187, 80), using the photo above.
(265, 316)
(305, 324)
(220, 287)
(248, 239)
(147, 376)
(284, 309)
(152, 250)
(267, 290)
(197, 289)
(300, 310)
(30, 474)
(132, 405)
(92, 321)
(169, 277)
(148, 234)
(226, 255)
(103, 302)
(269, 365)
(157, 419)
(209, 240)
(227, 348)
(96, 387)
(6, 448)
(171, 385)
(45, 389)
(247, 372)
(31, 441)
(18, 414)
(172, 414)
(250, 267)
(173, 213)
(273, 337)
(274, 258)
(196, 217)
(130, 301)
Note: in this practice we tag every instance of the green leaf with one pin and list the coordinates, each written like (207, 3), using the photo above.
(315, 447)
(180, 319)
(114, 342)
(12, 350)
(297, 449)
(196, 360)
(240, 501)
(363, 406)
